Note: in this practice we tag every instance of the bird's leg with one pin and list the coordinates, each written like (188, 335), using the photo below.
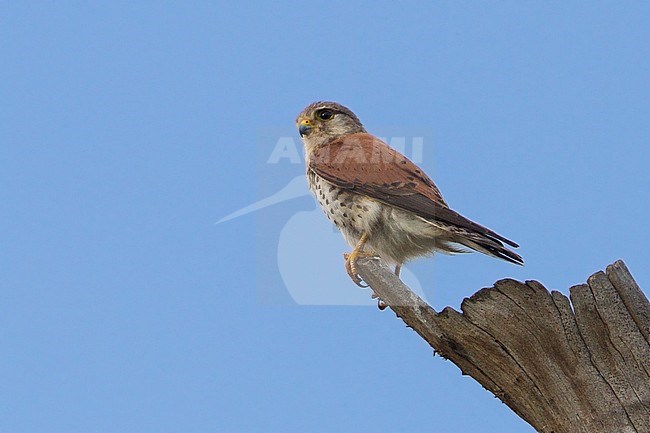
(398, 269)
(351, 258)
(351, 268)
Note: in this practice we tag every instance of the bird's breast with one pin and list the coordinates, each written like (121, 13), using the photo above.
(348, 210)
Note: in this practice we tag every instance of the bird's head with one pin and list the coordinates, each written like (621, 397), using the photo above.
(322, 122)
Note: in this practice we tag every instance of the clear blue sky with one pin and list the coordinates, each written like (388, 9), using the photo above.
(127, 129)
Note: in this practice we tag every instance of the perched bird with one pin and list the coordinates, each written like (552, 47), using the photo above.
(382, 203)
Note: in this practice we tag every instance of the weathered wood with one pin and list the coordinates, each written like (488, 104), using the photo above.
(562, 368)
(635, 302)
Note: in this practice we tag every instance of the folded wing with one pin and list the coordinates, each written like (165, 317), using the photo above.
(368, 166)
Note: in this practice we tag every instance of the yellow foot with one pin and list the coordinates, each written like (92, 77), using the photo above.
(351, 265)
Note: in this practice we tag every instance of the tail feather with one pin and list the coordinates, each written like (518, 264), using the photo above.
(484, 241)
(491, 247)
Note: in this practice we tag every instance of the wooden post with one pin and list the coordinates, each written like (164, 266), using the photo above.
(564, 367)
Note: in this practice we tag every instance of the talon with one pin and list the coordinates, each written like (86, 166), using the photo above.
(351, 258)
(351, 267)
(380, 304)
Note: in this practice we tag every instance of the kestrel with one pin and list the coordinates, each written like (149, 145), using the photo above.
(383, 204)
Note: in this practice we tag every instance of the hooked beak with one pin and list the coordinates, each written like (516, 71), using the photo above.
(304, 127)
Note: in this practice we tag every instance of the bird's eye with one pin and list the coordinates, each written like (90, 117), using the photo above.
(325, 114)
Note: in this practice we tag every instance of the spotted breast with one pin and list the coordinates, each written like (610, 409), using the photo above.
(352, 213)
